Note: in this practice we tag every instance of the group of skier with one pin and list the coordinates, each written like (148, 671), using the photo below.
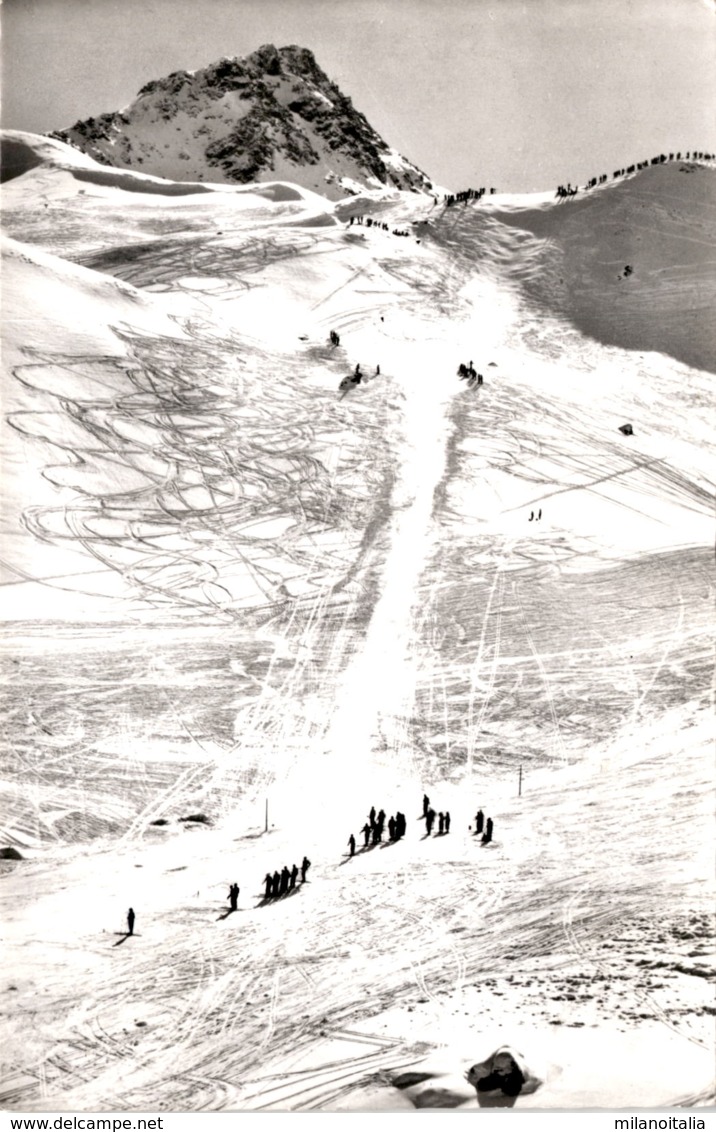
(374, 829)
(279, 883)
(375, 826)
(660, 159)
(369, 222)
(465, 195)
(483, 827)
(355, 378)
(429, 816)
(468, 371)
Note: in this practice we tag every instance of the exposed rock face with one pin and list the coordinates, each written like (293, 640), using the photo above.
(272, 116)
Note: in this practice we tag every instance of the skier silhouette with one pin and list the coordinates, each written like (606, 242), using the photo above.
(234, 896)
(351, 845)
(130, 921)
(305, 866)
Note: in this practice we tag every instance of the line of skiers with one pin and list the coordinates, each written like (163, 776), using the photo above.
(465, 195)
(469, 372)
(278, 884)
(483, 827)
(660, 159)
(371, 223)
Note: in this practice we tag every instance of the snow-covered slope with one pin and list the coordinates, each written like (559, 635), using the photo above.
(274, 115)
(229, 582)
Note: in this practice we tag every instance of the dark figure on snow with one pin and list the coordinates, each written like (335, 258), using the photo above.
(532, 515)
(426, 805)
(429, 821)
(447, 821)
(377, 832)
(358, 373)
(130, 921)
(371, 815)
(479, 821)
(351, 846)
(234, 896)
(487, 835)
(441, 822)
(391, 828)
(305, 866)
(277, 883)
(399, 825)
(285, 874)
(381, 818)
(539, 513)
(292, 878)
(268, 881)
(366, 835)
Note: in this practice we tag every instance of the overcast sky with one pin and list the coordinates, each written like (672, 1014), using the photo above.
(519, 94)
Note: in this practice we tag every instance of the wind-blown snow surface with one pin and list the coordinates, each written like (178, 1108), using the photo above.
(224, 583)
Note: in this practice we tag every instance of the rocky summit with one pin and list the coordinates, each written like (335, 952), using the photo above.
(274, 115)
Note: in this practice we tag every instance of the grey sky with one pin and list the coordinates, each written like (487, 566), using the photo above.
(519, 94)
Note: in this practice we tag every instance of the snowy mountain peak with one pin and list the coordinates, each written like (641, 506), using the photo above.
(274, 115)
